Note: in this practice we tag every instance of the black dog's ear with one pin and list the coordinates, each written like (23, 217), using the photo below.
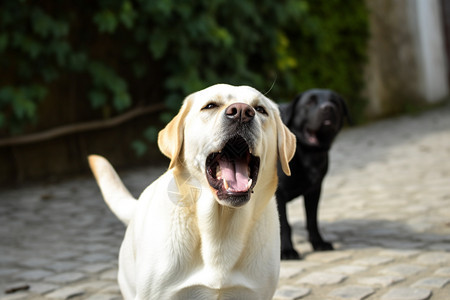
(344, 107)
(287, 110)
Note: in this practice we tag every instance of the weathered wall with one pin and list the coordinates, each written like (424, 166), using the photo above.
(407, 62)
(427, 21)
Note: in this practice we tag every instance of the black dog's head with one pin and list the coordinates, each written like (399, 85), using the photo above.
(315, 117)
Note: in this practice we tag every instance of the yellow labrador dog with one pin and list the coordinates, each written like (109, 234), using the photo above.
(207, 228)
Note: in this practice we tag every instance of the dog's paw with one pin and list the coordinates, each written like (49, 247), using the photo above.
(322, 246)
(289, 254)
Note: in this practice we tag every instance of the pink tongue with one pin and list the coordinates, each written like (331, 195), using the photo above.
(235, 173)
(312, 138)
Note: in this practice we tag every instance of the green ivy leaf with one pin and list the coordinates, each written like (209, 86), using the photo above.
(60, 29)
(61, 50)
(139, 69)
(127, 14)
(122, 100)
(97, 98)
(41, 23)
(151, 134)
(106, 21)
(49, 74)
(6, 95)
(78, 61)
(4, 41)
(23, 105)
(165, 117)
(158, 44)
(139, 147)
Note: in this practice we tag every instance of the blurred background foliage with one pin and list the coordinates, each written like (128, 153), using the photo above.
(114, 55)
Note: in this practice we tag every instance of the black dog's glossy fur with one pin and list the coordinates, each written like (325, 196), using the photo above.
(315, 117)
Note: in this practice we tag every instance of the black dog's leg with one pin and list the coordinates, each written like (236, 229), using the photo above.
(315, 238)
(287, 249)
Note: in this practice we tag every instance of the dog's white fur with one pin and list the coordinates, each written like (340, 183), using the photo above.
(181, 242)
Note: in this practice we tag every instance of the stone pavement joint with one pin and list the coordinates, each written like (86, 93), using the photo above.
(407, 294)
(291, 292)
(383, 281)
(352, 292)
(322, 278)
(432, 282)
(384, 206)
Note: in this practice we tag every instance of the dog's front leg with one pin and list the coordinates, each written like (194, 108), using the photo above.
(311, 206)
(287, 248)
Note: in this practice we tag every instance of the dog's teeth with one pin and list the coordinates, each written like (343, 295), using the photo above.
(225, 184)
(249, 184)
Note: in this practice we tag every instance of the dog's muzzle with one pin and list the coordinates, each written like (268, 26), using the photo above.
(232, 172)
(324, 126)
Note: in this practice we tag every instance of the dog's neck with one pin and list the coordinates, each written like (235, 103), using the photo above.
(223, 232)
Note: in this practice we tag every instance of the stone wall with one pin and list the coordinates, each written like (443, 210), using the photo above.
(407, 59)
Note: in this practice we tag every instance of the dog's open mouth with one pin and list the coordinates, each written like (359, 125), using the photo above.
(233, 172)
(315, 137)
(311, 137)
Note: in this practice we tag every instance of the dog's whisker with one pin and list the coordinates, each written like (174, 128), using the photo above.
(273, 84)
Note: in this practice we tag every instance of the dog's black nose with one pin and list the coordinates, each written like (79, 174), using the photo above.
(240, 112)
(327, 107)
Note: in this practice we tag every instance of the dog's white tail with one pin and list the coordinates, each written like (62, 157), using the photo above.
(116, 195)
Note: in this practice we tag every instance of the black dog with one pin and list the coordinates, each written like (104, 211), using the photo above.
(315, 117)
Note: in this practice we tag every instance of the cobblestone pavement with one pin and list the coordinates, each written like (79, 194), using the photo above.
(385, 205)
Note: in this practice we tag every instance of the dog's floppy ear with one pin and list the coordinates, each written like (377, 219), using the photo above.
(286, 145)
(344, 107)
(170, 139)
(287, 110)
